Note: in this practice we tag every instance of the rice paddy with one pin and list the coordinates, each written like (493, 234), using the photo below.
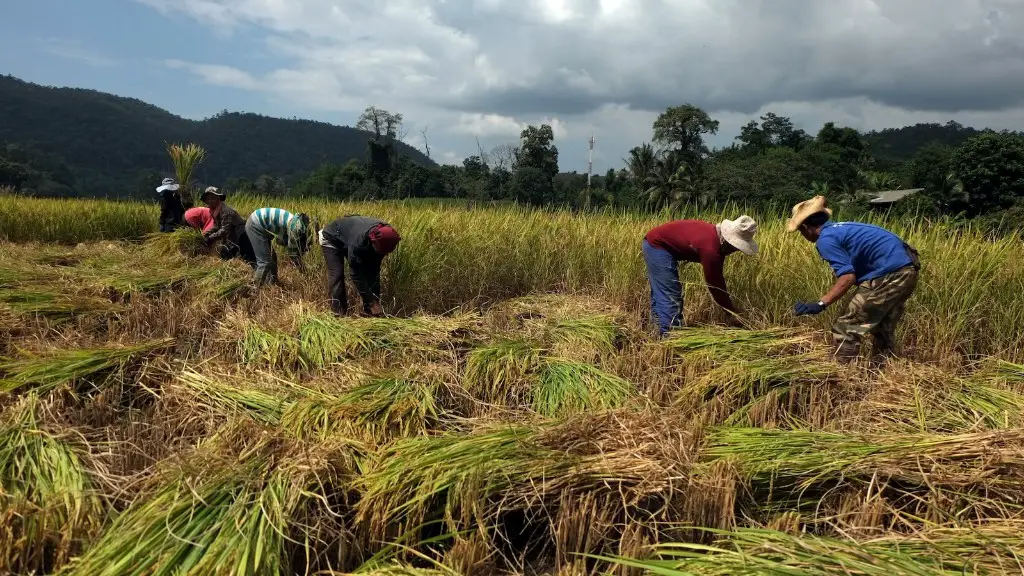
(157, 416)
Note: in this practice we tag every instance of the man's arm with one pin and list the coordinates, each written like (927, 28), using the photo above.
(841, 286)
(366, 277)
(714, 276)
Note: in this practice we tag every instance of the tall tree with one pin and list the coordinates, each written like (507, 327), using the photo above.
(682, 128)
(385, 128)
(642, 162)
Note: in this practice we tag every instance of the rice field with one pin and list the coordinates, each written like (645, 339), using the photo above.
(511, 415)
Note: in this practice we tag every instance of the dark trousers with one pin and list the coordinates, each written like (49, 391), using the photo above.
(335, 261)
(243, 250)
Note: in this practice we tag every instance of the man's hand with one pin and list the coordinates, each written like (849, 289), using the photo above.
(375, 309)
(807, 308)
(206, 239)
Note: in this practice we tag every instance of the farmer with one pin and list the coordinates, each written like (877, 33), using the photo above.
(228, 227)
(883, 267)
(291, 230)
(693, 241)
(199, 218)
(364, 242)
(172, 209)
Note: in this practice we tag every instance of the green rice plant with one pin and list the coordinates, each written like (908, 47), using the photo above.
(43, 373)
(980, 401)
(501, 372)
(271, 348)
(454, 475)
(378, 411)
(751, 551)
(50, 505)
(565, 388)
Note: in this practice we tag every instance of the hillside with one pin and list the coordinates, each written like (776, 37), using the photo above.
(900, 144)
(107, 142)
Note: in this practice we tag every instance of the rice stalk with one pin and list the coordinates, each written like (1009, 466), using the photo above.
(565, 388)
(728, 343)
(45, 301)
(992, 406)
(327, 339)
(501, 372)
(49, 504)
(751, 551)
(94, 366)
(186, 241)
(262, 405)
(186, 158)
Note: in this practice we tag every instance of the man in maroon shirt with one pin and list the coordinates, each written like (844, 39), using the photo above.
(693, 241)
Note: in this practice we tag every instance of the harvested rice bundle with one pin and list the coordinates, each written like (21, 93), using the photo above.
(264, 404)
(186, 241)
(754, 551)
(272, 348)
(794, 466)
(378, 411)
(756, 390)
(326, 339)
(565, 387)
(228, 513)
(502, 372)
(40, 300)
(49, 504)
(93, 366)
(587, 339)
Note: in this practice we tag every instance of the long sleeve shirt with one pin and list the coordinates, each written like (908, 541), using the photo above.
(289, 229)
(227, 224)
(350, 235)
(696, 241)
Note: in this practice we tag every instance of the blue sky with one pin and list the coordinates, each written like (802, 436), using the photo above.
(472, 71)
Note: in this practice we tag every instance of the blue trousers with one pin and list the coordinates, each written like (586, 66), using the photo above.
(666, 289)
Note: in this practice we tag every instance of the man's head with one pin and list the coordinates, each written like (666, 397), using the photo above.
(213, 197)
(303, 240)
(738, 235)
(808, 218)
(384, 239)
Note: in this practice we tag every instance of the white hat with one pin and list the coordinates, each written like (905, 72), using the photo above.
(740, 234)
(168, 184)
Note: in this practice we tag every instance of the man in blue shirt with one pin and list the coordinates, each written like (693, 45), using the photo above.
(882, 266)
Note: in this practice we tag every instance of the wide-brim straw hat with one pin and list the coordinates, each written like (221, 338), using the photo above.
(804, 210)
(740, 234)
(167, 184)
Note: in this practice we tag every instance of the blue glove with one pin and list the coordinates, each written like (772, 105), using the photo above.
(805, 308)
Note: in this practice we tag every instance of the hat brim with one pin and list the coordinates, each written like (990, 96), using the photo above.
(748, 247)
(220, 195)
(794, 223)
(166, 187)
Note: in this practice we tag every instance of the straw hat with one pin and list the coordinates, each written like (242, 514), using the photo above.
(805, 209)
(740, 233)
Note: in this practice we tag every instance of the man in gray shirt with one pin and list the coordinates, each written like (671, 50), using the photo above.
(363, 242)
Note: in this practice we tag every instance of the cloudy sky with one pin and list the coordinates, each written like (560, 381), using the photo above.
(482, 69)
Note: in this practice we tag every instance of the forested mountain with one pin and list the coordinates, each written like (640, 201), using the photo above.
(900, 144)
(108, 145)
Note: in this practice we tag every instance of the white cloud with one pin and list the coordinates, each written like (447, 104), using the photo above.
(75, 50)
(485, 68)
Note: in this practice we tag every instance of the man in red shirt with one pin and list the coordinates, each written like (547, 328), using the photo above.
(693, 241)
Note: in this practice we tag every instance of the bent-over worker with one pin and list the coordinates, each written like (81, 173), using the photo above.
(364, 242)
(693, 241)
(228, 227)
(172, 209)
(199, 218)
(882, 266)
(291, 230)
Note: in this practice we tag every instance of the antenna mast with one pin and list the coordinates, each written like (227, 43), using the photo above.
(590, 166)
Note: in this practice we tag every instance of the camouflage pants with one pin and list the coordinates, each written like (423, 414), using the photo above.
(876, 308)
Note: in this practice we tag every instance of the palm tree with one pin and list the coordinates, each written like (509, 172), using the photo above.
(673, 183)
(641, 164)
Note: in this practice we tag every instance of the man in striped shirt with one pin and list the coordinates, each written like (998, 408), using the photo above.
(291, 230)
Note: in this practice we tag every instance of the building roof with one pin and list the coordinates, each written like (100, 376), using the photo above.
(890, 196)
